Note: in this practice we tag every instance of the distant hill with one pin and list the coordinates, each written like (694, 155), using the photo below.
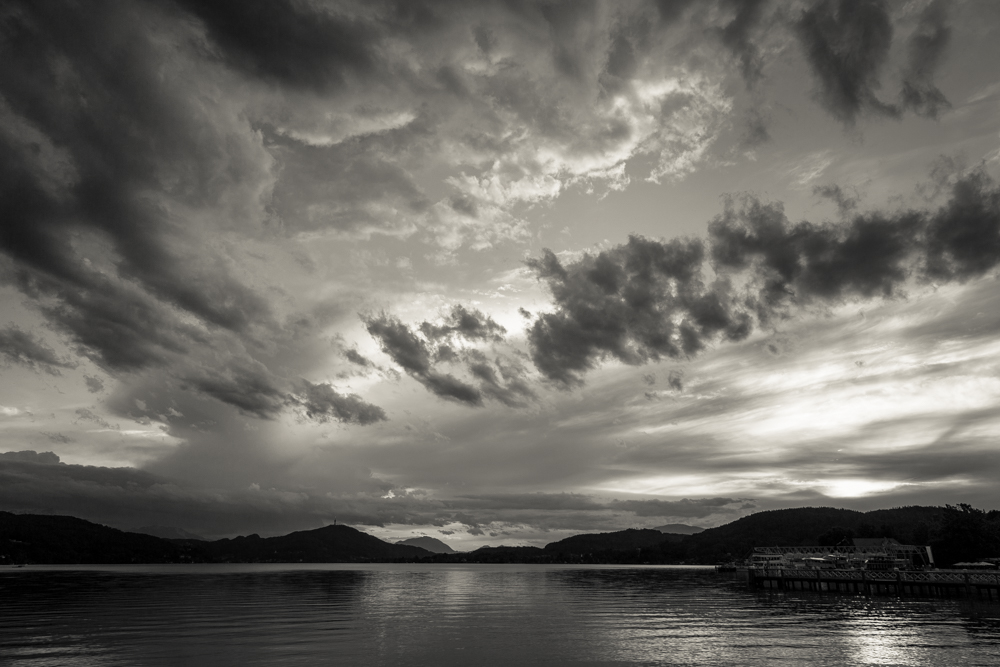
(166, 532)
(432, 544)
(960, 533)
(622, 540)
(623, 546)
(32, 538)
(332, 544)
(679, 529)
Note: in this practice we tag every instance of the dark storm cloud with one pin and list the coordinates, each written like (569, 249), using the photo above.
(95, 385)
(400, 343)
(113, 324)
(290, 42)
(646, 300)
(926, 49)
(356, 357)
(107, 166)
(321, 403)
(641, 301)
(963, 237)
(845, 203)
(30, 456)
(847, 43)
(499, 377)
(871, 255)
(117, 170)
(410, 352)
(251, 389)
(672, 10)
(503, 379)
(736, 36)
(866, 257)
(114, 162)
(566, 20)
(470, 324)
(20, 347)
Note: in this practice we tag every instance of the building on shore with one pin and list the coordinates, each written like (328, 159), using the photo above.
(883, 553)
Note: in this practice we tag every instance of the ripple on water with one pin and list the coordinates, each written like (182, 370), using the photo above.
(458, 615)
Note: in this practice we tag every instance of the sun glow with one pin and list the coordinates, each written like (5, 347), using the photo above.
(855, 488)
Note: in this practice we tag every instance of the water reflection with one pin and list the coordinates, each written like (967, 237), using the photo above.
(459, 615)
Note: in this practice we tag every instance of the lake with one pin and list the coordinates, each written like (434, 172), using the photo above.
(340, 614)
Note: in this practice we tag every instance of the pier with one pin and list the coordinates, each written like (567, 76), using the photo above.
(951, 583)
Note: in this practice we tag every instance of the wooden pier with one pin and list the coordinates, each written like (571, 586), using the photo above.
(951, 583)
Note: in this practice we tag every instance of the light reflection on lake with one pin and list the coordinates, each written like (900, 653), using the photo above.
(466, 615)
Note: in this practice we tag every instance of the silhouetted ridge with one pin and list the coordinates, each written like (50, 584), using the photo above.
(32, 538)
(622, 540)
(956, 534)
(331, 544)
(432, 544)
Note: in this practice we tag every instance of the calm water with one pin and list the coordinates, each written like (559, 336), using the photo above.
(466, 615)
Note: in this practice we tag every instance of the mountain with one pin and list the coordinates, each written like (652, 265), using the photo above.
(954, 533)
(32, 538)
(166, 532)
(332, 544)
(960, 533)
(432, 544)
(622, 540)
(679, 529)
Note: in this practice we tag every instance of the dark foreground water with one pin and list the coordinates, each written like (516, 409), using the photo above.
(466, 615)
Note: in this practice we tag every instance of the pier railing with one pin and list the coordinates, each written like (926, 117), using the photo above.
(902, 582)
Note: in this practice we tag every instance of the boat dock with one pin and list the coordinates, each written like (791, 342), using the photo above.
(952, 583)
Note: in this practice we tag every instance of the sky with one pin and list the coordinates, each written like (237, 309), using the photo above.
(496, 272)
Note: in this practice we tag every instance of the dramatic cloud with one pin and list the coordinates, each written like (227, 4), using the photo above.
(469, 324)
(20, 347)
(926, 49)
(412, 353)
(199, 197)
(845, 203)
(647, 300)
(322, 402)
(736, 36)
(500, 377)
(95, 385)
(98, 243)
(290, 42)
(847, 43)
(642, 301)
(29, 456)
(356, 357)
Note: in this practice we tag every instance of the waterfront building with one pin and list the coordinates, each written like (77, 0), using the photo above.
(884, 554)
